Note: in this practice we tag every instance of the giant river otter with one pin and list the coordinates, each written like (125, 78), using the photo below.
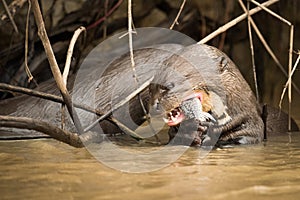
(196, 90)
(217, 88)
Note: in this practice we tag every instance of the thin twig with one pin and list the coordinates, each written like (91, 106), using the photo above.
(63, 116)
(70, 52)
(130, 40)
(234, 22)
(43, 127)
(30, 92)
(105, 16)
(68, 64)
(53, 64)
(50, 97)
(290, 58)
(178, 14)
(251, 49)
(27, 70)
(105, 21)
(271, 12)
(290, 71)
(288, 81)
(10, 16)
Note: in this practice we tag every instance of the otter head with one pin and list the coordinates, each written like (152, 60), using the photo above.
(179, 104)
(188, 88)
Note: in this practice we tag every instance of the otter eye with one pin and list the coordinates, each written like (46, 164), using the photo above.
(170, 85)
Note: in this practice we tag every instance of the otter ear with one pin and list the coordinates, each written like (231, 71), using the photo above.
(157, 90)
(170, 85)
(166, 87)
(223, 63)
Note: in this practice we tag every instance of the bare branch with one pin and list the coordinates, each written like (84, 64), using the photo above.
(290, 75)
(70, 52)
(272, 13)
(10, 16)
(289, 80)
(53, 64)
(130, 40)
(105, 20)
(268, 48)
(104, 17)
(179, 13)
(43, 127)
(251, 47)
(68, 64)
(12, 88)
(27, 70)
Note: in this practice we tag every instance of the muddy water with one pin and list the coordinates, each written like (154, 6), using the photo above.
(47, 169)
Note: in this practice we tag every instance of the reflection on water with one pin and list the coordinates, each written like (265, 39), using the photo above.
(47, 169)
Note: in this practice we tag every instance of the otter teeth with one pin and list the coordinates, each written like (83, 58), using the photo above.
(174, 117)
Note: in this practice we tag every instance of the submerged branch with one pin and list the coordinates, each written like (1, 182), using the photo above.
(43, 127)
(103, 116)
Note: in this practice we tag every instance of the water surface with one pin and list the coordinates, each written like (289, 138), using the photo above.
(47, 169)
